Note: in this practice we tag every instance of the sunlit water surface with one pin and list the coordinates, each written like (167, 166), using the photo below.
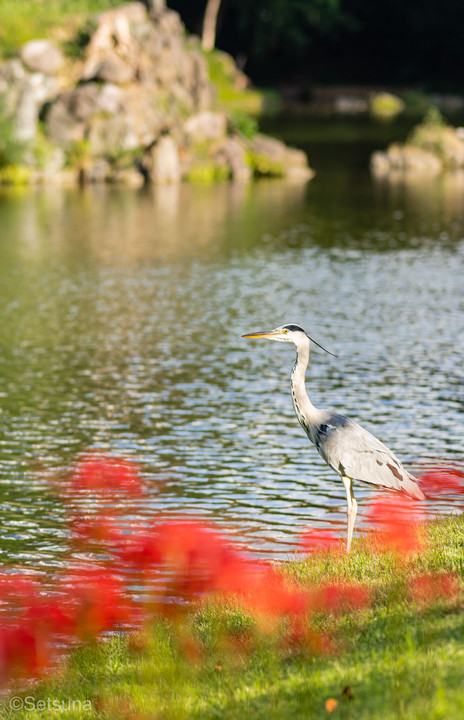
(121, 315)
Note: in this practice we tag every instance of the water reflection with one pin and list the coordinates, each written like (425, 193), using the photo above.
(121, 315)
(166, 222)
(426, 198)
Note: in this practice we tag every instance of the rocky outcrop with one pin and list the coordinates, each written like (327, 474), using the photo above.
(138, 106)
(431, 148)
(405, 159)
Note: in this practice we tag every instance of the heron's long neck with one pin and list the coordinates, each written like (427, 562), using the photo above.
(307, 414)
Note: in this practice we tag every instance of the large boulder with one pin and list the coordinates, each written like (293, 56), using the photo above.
(42, 56)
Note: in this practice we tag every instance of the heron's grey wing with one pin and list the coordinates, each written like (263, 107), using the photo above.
(354, 452)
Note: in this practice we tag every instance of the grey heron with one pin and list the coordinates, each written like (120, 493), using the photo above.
(350, 450)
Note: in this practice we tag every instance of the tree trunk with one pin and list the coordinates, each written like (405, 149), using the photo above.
(208, 37)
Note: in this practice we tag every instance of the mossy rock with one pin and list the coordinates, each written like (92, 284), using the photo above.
(15, 175)
(208, 173)
(264, 166)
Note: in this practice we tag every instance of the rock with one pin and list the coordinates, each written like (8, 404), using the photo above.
(233, 154)
(113, 36)
(165, 163)
(99, 171)
(128, 176)
(23, 95)
(274, 149)
(114, 70)
(84, 101)
(206, 125)
(67, 117)
(42, 56)
(405, 158)
(293, 162)
(112, 136)
(112, 99)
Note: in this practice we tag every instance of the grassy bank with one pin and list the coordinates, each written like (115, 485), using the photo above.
(399, 657)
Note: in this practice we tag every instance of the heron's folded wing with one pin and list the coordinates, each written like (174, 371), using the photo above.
(354, 452)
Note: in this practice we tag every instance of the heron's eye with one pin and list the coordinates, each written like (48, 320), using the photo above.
(285, 331)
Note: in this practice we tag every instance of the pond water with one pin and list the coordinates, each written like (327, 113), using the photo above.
(121, 313)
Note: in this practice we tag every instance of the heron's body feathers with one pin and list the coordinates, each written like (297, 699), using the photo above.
(355, 453)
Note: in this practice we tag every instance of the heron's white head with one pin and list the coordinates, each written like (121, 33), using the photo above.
(287, 333)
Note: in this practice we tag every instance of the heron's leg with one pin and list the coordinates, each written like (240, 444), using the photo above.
(352, 509)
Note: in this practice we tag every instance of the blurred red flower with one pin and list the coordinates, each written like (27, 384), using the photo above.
(96, 599)
(109, 475)
(432, 587)
(438, 482)
(398, 522)
(24, 652)
(339, 597)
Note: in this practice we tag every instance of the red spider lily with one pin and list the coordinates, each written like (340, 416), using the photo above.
(442, 482)
(196, 553)
(49, 616)
(399, 524)
(341, 597)
(96, 600)
(140, 550)
(24, 652)
(269, 595)
(322, 540)
(432, 587)
(107, 475)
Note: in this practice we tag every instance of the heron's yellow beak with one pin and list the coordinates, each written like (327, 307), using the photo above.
(267, 334)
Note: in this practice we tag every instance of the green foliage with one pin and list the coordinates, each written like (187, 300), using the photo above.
(42, 150)
(285, 29)
(434, 119)
(385, 105)
(78, 153)
(15, 175)
(416, 102)
(204, 172)
(244, 124)
(23, 20)
(75, 47)
(232, 92)
(263, 166)
(11, 149)
(432, 134)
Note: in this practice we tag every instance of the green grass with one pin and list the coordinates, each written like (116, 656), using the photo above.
(23, 20)
(392, 661)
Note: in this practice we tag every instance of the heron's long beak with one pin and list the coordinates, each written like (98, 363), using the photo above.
(266, 334)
